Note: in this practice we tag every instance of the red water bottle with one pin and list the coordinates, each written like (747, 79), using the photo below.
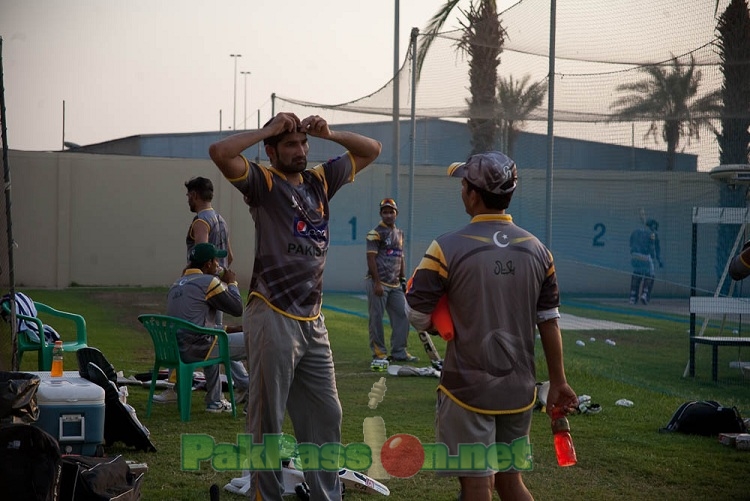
(566, 453)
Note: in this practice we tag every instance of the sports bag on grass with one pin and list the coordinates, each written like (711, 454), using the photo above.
(30, 463)
(705, 417)
(18, 397)
(86, 478)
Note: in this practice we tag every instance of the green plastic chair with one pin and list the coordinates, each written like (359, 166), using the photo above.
(42, 347)
(164, 331)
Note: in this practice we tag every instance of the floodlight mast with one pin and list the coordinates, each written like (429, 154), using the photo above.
(234, 102)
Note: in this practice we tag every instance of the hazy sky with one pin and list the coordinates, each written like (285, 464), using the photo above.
(158, 66)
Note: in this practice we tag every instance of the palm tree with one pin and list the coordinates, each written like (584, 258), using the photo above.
(483, 38)
(666, 97)
(516, 100)
(733, 43)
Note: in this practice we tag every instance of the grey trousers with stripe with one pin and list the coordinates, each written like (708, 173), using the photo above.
(291, 369)
(392, 302)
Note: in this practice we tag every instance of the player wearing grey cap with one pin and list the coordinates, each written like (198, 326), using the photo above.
(501, 284)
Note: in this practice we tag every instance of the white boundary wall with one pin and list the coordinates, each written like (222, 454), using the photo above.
(111, 220)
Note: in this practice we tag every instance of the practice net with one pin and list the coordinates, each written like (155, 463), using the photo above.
(599, 48)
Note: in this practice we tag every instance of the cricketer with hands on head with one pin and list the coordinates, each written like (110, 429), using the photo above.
(289, 355)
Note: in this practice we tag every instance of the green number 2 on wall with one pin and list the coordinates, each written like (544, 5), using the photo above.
(600, 230)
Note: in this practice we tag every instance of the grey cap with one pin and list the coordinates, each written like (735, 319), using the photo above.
(492, 171)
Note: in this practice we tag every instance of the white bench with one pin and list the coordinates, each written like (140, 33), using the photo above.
(716, 306)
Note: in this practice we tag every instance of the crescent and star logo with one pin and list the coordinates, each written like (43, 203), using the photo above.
(501, 239)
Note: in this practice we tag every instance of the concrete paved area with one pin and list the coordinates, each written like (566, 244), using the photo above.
(574, 323)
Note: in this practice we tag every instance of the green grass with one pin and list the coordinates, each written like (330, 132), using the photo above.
(621, 454)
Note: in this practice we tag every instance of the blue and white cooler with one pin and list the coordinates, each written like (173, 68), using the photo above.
(71, 409)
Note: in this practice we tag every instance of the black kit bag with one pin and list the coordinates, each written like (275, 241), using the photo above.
(707, 418)
(30, 463)
(86, 478)
(18, 397)
(120, 420)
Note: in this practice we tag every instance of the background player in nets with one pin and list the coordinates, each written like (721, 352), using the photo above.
(645, 250)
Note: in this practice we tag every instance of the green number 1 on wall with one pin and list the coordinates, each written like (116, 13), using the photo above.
(353, 222)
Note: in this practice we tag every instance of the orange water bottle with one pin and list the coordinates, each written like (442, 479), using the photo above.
(566, 453)
(57, 360)
(441, 319)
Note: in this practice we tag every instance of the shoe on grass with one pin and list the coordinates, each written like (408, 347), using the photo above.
(168, 396)
(379, 364)
(407, 358)
(220, 406)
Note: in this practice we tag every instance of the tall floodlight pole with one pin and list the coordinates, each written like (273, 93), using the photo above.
(234, 105)
(412, 146)
(244, 115)
(63, 124)
(396, 114)
(550, 124)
